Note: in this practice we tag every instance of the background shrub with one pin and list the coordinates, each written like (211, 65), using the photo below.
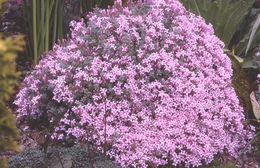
(149, 84)
(8, 79)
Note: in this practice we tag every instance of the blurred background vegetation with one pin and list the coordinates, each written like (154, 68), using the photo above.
(9, 46)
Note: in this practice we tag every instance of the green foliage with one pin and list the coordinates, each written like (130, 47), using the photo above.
(8, 79)
(249, 28)
(225, 15)
(236, 23)
(88, 5)
(249, 40)
(44, 22)
(1, 7)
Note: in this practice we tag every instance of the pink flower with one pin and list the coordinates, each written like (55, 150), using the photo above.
(19, 2)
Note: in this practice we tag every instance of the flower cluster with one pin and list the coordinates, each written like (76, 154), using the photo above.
(149, 84)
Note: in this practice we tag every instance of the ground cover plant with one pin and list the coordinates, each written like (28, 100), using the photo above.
(148, 84)
(72, 157)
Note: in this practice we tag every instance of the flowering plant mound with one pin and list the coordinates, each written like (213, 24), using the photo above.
(149, 84)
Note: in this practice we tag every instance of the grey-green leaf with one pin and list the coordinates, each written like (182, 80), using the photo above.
(255, 27)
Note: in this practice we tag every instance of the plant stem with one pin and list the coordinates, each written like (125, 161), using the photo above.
(51, 130)
(258, 133)
(41, 31)
(105, 132)
(35, 34)
(90, 155)
(47, 26)
(55, 22)
(60, 21)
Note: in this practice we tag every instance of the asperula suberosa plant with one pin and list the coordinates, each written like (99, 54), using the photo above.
(151, 73)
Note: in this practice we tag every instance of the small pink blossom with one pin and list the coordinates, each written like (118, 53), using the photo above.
(19, 2)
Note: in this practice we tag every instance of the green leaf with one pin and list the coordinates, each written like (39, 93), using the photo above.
(225, 15)
(254, 29)
(244, 43)
(249, 64)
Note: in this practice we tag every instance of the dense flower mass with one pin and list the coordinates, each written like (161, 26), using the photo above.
(149, 84)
